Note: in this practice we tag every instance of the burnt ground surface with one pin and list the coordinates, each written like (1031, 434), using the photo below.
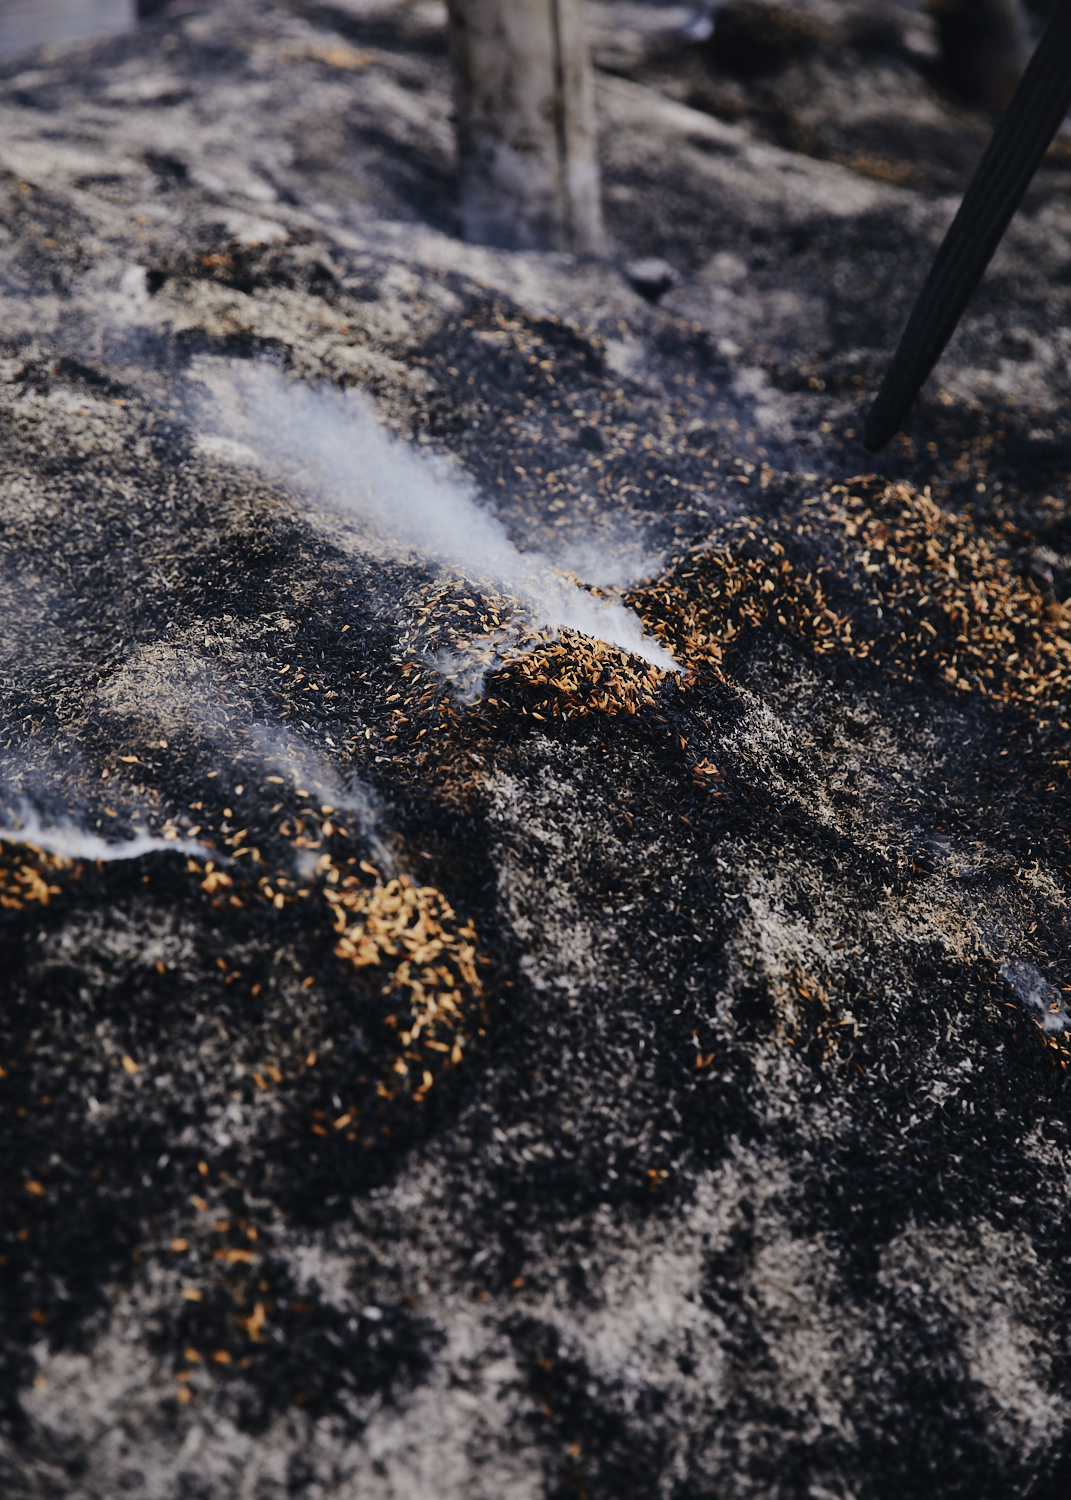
(619, 1083)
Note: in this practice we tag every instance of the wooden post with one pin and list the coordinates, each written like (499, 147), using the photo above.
(529, 172)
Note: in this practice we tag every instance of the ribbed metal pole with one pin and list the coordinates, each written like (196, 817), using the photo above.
(1014, 154)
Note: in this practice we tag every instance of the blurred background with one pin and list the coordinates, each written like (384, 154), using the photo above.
(978, 46)
(25, 24)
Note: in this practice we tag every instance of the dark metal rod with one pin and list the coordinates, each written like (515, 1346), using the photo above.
(1003, 175)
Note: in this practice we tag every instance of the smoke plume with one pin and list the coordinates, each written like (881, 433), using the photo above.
(331, 444)
(71, 842)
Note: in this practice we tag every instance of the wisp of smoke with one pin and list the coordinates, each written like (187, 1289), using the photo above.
(280, 750)
(333, 443)
(75, 843)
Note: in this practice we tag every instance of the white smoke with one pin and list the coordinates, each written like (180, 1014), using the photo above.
(279, 750)
(70, 842)
(332, 444)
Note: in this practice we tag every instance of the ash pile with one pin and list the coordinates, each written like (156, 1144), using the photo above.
(533, 878)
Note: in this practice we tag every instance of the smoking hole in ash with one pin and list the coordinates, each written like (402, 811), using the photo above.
(330, 444)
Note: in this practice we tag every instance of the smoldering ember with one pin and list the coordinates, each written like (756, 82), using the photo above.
(534, 871)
